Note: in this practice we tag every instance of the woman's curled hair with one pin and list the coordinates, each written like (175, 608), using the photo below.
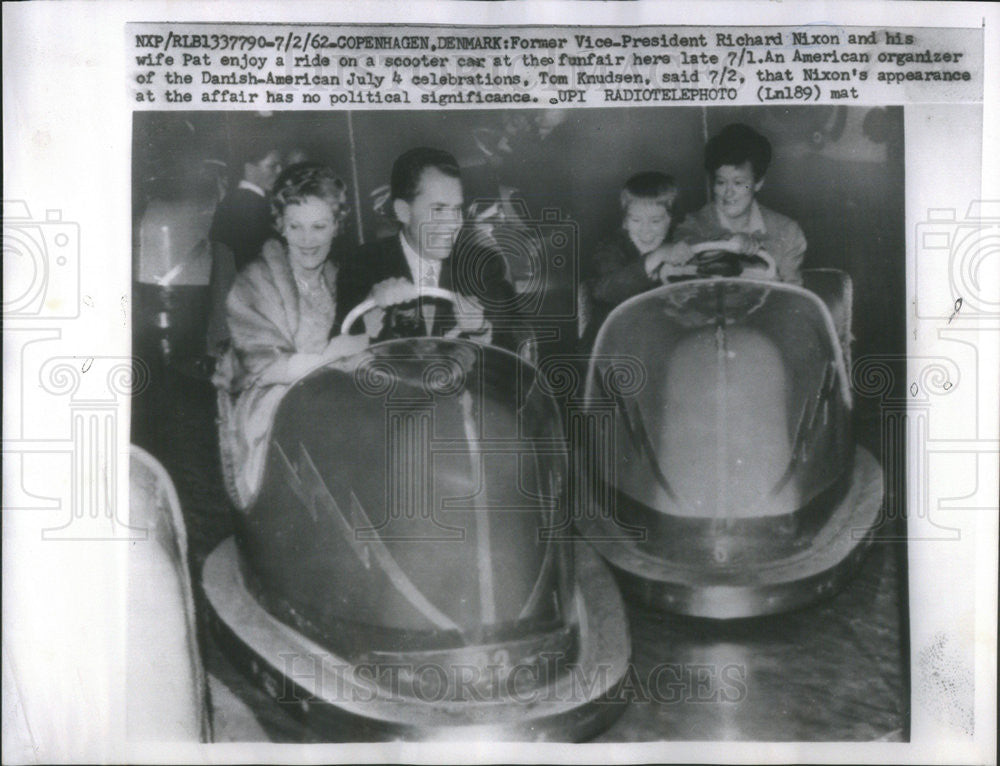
(297, 183)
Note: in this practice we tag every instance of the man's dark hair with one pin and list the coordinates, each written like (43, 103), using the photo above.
(735, 144)
(252, 154)
(410, 166)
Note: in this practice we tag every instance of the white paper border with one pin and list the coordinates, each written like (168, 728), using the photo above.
(67, 145)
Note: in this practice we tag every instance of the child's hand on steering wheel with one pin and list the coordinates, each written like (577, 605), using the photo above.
(653, 261)
(668, 260)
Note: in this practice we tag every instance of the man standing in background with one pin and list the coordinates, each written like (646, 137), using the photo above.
(243, 219)
(241, 225)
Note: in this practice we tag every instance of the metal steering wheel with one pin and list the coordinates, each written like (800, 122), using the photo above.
(368, 305)
(700, 265)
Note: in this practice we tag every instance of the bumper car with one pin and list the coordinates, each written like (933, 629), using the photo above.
(727, 483)
(395, 576)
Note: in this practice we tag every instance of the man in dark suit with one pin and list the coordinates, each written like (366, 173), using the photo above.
(240, 227)
(434, 248)
(242, 220)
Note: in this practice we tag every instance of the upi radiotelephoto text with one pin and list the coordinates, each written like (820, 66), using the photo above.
(212, 66)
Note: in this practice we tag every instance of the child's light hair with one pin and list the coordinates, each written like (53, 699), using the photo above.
(652, 186)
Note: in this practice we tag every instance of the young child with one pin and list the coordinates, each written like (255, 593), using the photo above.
(638, 257)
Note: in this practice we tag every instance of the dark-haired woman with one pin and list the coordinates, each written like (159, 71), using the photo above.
(736, 160)
(281, 313)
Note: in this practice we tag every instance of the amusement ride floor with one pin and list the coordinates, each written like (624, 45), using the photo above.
(835, 671)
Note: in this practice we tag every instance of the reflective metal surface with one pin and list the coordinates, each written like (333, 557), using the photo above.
(344, 701)
(397, 567)
(731, 486)
(820, 567)
(405, 504)
(834, 671)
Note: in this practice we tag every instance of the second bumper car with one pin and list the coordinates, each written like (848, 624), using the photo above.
(729, 484)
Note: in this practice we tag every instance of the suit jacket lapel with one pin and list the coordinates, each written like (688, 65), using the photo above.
(396, 264)
(444, 314)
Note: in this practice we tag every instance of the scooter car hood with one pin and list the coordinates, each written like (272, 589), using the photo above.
(410, 548)
(736, 448)
(385, 520)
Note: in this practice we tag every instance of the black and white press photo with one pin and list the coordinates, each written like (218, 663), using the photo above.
(652, 383)
(466, 382)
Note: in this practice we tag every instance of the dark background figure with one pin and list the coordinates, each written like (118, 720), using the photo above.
(295, 155)
(243, 219)
(539, 163)
(539, 168)
(242, 224)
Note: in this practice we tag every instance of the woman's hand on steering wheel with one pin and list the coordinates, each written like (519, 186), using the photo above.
(745, 244)
(387, 293)
(343, 346)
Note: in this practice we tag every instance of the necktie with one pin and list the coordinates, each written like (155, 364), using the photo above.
(428, 278)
